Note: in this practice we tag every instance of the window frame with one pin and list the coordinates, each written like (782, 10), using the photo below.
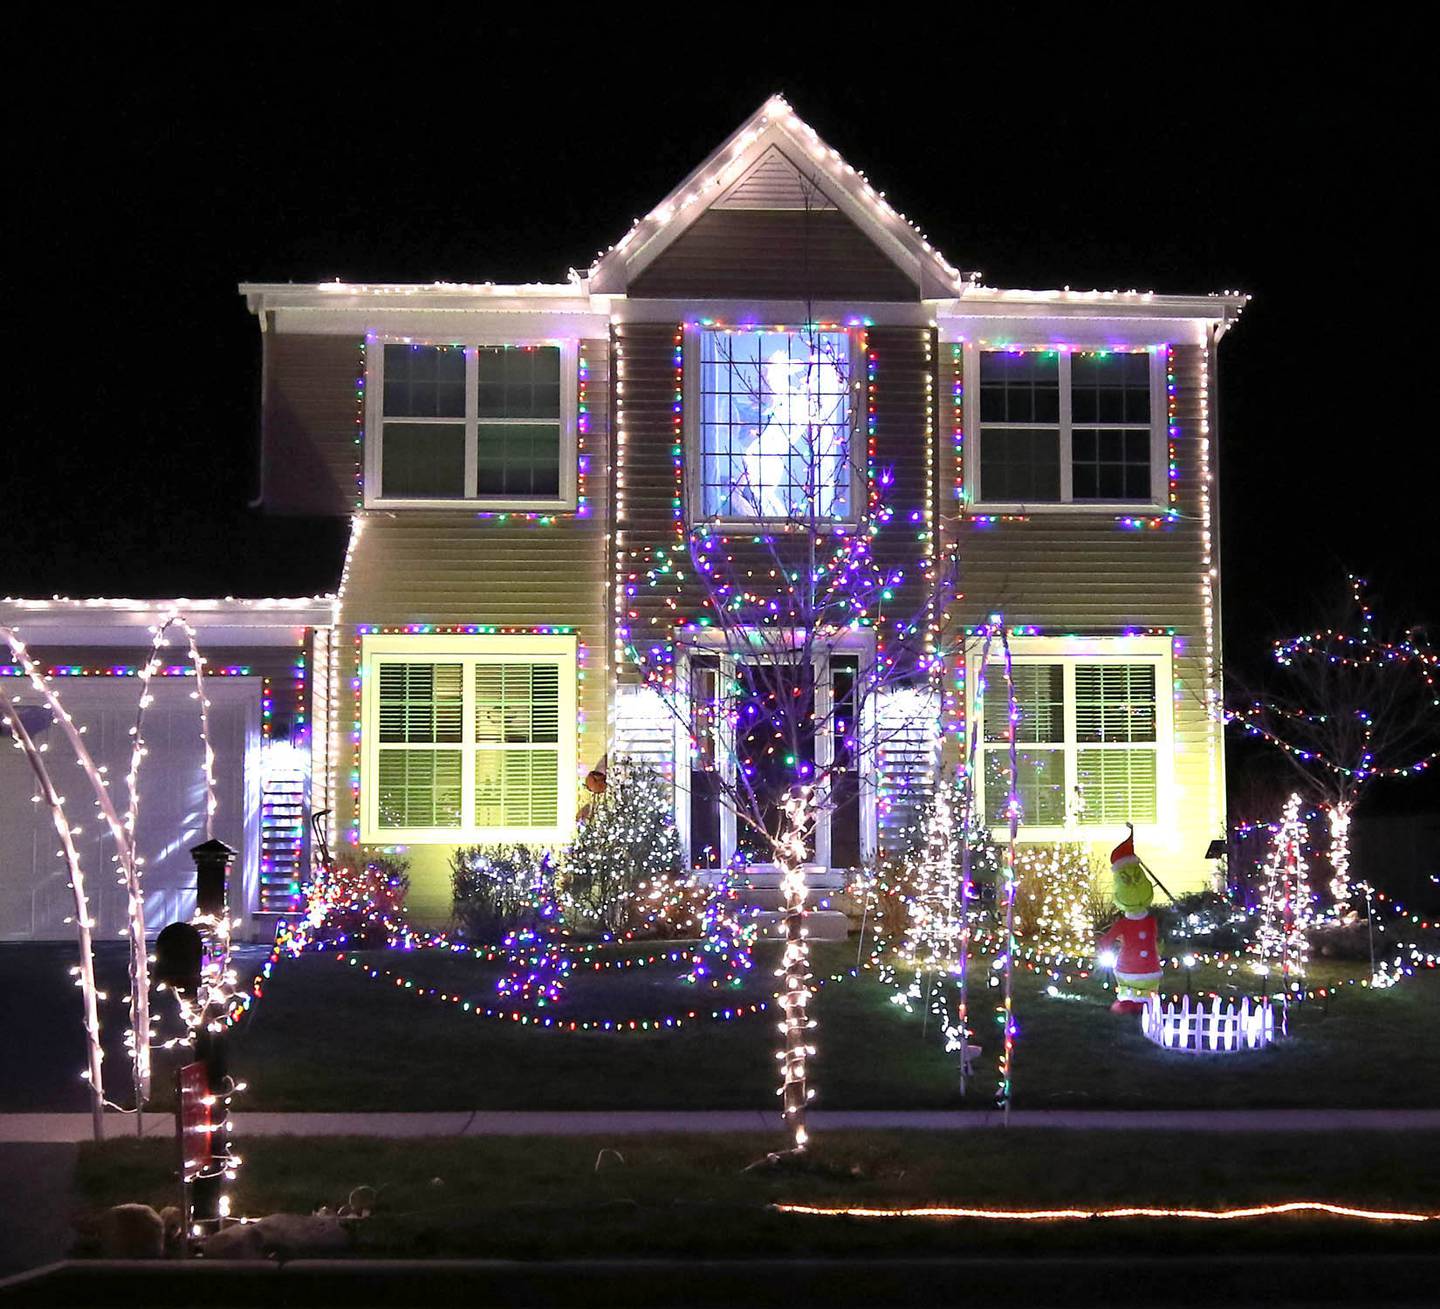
(1069, 652)
(560, 651)
(1158, 500)
(694, 489)
(374, 490)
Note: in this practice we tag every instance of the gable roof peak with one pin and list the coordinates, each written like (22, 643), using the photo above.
(775, 126)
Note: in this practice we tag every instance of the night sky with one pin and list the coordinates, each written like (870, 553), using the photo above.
(169, 166)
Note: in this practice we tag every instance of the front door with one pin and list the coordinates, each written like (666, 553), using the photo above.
(775, 749)
(819, 737)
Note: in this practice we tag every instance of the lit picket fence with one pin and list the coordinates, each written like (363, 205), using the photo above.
(1219, 1028)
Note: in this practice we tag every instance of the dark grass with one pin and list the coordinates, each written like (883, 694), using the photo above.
(325, 1037)
(542, 1197)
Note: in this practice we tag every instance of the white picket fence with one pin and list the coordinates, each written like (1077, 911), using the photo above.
(1219, 1028)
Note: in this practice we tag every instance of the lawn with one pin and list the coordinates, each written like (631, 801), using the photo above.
(546, 1198)
(327, 1037)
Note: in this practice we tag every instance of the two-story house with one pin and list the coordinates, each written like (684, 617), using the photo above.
(510, 456)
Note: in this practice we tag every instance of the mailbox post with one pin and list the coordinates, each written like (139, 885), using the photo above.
(193, 958)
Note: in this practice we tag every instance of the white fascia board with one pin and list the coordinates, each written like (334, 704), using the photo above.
(774, 313)
(455, 324)
(263, 296)
(1085, 318)
(103, 621)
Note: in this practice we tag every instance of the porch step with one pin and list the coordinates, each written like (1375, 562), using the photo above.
(820, 925)
(768, 877)
(772, 897)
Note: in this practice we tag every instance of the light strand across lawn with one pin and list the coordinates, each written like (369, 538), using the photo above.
(555, 1022)
(1125, 1211)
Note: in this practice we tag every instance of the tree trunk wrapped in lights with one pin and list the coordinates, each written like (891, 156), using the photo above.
(794, 971)
(780, 616)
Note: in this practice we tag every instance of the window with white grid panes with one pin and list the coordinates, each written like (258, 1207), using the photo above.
(483, 425)
(469, 738)
(774, 430)
(1088, 738)
(1067, 427)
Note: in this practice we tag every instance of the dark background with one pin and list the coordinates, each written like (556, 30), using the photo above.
(158, 168)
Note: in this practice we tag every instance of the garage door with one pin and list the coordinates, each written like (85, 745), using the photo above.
(34, 897)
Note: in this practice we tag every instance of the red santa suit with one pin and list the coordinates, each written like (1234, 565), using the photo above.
(1137, 951)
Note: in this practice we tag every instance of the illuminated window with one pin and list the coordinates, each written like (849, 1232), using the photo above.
(1088, 741)
(484, 425)
(469, 737)
(1065, 427)
(775, 425)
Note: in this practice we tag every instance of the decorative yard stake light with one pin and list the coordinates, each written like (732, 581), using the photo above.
(1287, 909)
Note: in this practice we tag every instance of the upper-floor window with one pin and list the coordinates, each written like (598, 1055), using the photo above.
(488, 425)
(1068, 427)
(773, 439)
(1091, 739)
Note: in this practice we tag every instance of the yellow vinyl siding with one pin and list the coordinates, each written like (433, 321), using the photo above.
(1079, 572)
(459, 568)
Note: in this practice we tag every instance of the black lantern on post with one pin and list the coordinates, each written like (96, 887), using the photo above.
(212, 872)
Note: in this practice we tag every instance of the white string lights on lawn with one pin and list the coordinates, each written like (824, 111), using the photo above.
(139, 1037)
(140, 1029)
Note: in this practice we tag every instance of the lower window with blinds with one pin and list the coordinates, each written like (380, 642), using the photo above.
(468, 738)
(1088, 749)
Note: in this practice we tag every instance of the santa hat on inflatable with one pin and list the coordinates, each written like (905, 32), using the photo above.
(1123, 855)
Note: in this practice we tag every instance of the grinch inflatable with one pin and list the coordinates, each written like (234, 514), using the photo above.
(1134, 938)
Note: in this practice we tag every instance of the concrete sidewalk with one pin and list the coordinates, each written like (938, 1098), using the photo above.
(57, 1128)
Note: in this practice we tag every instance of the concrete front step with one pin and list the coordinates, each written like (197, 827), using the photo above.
(768, 876)
(820, 925)
(772, 897)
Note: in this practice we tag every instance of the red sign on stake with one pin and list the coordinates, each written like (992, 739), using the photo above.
(196, 1126)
